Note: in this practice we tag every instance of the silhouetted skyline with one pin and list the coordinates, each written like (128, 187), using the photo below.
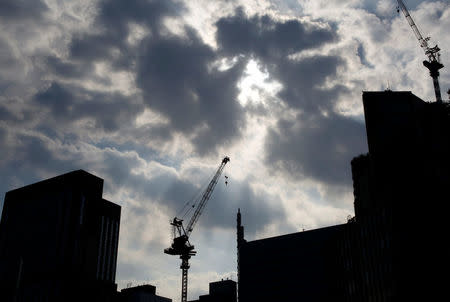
(60, 233)
(149, 94)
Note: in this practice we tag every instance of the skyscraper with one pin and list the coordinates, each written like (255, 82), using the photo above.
(401, 189)
(59, 240)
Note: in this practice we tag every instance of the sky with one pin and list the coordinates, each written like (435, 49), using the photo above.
(151, 95)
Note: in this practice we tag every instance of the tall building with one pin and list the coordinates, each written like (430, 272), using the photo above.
(401, 187)
(58, 241)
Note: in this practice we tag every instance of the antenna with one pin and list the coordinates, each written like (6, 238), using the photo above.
(388, 86)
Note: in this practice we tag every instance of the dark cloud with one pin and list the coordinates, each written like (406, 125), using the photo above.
(5, 113)
(18, 10)
(112, 24)
(26, 158)
(69, 103)
(259, 208)
(302, 81)
(318, 147)
(362, 56)
(114, 15)
(268, 38)
(65, 69)
(320, 142)
(12, 68)
(177, 80)
(173, 72)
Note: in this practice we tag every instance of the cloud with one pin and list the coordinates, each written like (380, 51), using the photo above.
(319, 147)
(173, 72)
(272, 42)
(259, 207)
(177, 80)
(70, 103)
(13, 69)
(267, 38)
(19, 10)
(318, 142)
(112, 23)
(67, 70)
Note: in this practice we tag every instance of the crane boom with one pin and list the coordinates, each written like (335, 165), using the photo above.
(432, 53)
(423, 42)
(181, 245)
(206, 196)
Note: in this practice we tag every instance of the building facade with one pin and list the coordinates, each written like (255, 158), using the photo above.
(59, 241)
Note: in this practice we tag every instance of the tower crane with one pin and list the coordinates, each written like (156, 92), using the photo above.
(181, 245)
(433, 64)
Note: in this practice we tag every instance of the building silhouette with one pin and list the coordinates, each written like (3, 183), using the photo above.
(301, 266)
(401, 187)
(220, 291)
(141, 293)
(58, 241)
(394, 248)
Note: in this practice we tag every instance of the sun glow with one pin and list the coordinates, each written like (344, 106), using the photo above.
(256, 85)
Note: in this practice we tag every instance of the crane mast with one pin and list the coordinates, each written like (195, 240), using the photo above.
(181, 245)
(433, 64)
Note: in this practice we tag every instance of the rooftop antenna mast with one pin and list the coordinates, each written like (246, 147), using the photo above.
(433, 64)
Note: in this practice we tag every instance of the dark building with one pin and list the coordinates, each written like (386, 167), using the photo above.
(141, 293)
(301, 266)
(394, 248)
(220, 291)
(58, 241)
(401, 187)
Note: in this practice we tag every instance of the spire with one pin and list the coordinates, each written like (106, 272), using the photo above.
(239, 218)
(239, 228)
